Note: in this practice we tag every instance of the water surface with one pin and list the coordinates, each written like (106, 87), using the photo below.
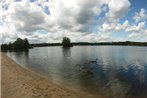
(110, 71)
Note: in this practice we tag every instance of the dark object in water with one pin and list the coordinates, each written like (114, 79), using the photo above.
(88, 71)
(87, 68)
(94, 61)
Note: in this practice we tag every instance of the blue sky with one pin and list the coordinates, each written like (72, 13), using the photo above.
(136, 5)
(80, 20)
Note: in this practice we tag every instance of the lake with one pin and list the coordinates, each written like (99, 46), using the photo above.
(110, 71)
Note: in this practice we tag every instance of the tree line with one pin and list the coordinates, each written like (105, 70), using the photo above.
(65, 43)
(23, 44)
(125, 43)
(18, 45)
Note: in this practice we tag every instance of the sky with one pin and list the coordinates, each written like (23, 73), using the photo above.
(48, 21)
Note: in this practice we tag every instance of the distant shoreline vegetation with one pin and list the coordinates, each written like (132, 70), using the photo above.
(126, 43)
(66, 42)
(23, 45)
(18, 45)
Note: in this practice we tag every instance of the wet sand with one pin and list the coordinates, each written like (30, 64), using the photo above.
(17, 82)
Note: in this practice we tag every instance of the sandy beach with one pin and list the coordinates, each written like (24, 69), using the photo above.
(18, 82)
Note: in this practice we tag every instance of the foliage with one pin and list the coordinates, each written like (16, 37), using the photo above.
(26, 44)
(4, 47)
(18, 45)
(66, 42)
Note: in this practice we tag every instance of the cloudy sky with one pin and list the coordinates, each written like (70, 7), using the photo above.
(80, 20)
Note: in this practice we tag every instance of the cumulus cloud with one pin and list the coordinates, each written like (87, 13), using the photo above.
(25, 17)
(76, 15)
(140, 16)
(65, 16)
(114, 26)
(138, 32)
(51, 20)
(138, 36)
(136, 28)
(118, 9)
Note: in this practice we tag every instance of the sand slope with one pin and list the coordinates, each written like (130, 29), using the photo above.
(18, 82)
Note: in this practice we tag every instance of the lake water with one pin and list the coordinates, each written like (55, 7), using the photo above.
(110, 71)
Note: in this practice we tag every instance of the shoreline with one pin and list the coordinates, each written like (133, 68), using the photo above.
(18, 82)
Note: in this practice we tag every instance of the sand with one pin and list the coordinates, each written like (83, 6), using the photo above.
(17, 82)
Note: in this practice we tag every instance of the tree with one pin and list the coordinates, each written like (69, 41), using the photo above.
(26, 44)
(18, 45)
(4, 47)
(66, 42)
(10, 46)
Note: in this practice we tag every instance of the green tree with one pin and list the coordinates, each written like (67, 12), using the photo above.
(66, 42)
(10, 46)
(4, 47)
(26, 44)
(21, 45)
(18, 45)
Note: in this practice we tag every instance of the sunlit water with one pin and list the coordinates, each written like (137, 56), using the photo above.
(110, 71)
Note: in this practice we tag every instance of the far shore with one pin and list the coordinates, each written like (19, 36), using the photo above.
(17, 82)
(125, 43)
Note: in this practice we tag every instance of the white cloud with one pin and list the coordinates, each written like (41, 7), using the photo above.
(77, 15)
(136, 28)
(95, 37)
(27, 17)
(135, 35)
(140, 16)
(118, 9)
(138, 32)
(138, 36)
(72, 18)
(114, 26)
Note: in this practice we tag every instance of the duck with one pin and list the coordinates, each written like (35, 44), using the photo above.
(88, 71)
(94, 61)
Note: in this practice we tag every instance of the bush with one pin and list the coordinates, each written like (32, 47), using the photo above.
(18, 45)
(66, 42)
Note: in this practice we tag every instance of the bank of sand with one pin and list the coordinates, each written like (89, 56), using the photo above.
(17, 82)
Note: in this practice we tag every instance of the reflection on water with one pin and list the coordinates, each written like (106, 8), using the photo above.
(111, 71)
(66, 52)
